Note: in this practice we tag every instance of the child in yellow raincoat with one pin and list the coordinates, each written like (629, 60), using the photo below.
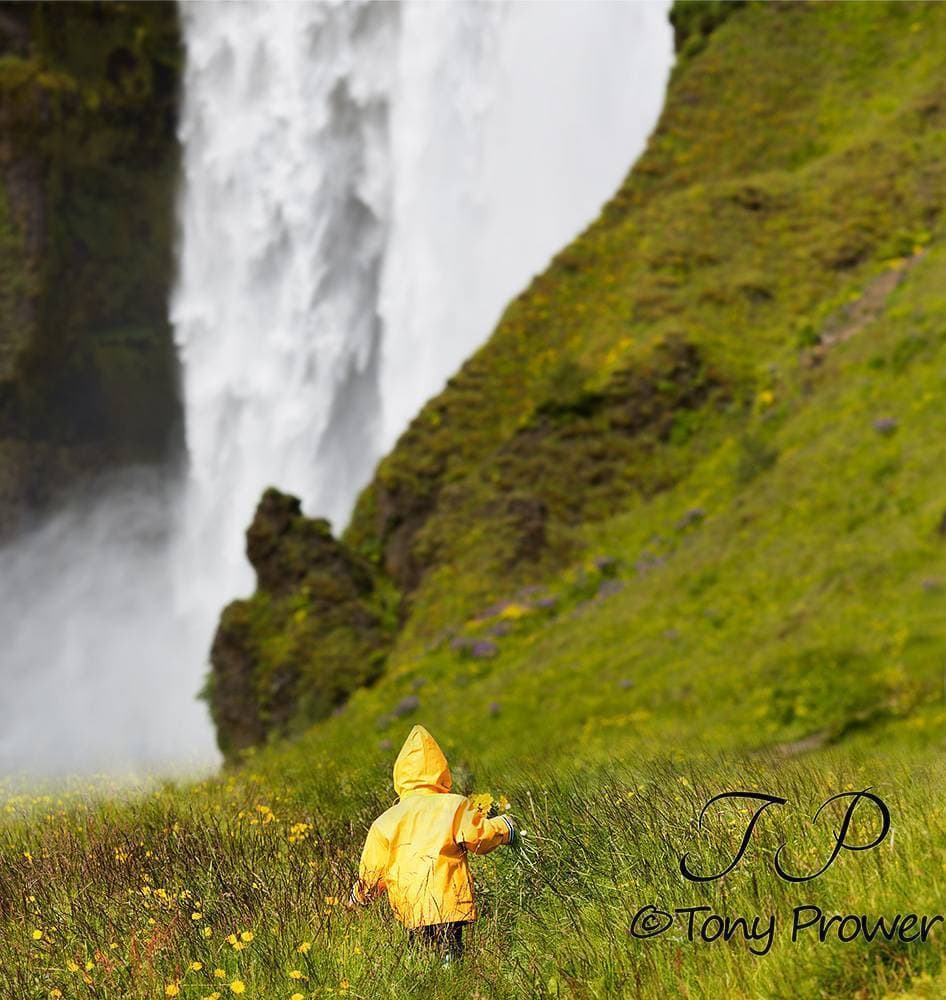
(417, 850)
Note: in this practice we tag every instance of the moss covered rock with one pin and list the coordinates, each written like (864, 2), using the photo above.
(88, 168)
(695, 20)
(318, 626)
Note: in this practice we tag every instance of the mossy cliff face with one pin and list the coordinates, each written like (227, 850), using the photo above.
(317, 628)
(88, 167)
(799, 151)
(800, 159)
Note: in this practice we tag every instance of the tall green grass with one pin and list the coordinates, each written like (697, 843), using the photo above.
(241, 881)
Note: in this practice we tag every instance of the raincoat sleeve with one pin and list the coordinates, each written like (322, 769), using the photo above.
(479, 834)
(372, 868)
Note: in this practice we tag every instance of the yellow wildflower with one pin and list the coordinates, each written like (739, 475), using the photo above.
(295, 974)
(482, 802)
(196, 966)
(206, 932)
(514, 611)
(246, 935)
(220, 974)
(237, 986)
(37, 935)
(266, 814)
(304, 947)
(172, 990)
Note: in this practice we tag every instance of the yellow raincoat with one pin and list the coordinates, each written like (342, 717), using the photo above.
(417, 850)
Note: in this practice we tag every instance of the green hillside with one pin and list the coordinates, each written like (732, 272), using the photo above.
(679, 527)
(690, 392)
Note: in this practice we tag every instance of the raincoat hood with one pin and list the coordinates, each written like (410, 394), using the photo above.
(421, 765)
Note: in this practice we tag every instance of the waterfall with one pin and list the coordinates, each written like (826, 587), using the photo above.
(365, 185)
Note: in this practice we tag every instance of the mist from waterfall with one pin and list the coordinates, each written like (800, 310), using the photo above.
(364, 187)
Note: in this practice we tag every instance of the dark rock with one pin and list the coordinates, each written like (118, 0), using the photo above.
(479, 649)
(315, 630)
(691, 517)
(385, 744)
(624, 683)
(500, 628)
(648, 561)
(645, 562)
(886, 425)
(406, 706)
(606, 565)
(693, 23)
(483, 649)
(942, 525)
(230, 690)
(547, 602)
(932, 585)
(494, 708)
(285, 547)
(610, 587)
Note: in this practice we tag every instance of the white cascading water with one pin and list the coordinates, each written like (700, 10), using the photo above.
(365, 185)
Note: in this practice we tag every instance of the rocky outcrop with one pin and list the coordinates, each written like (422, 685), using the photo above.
(318, 627)
(695, 20)
(88, 167)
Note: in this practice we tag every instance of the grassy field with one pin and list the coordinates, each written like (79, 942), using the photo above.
(745, 593)
(235, 887)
